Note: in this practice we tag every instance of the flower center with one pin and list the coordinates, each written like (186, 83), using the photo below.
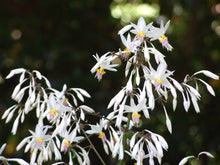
(39, 142)
(102, 136)
(141, 34)
(127, 53)
(53, 112)
(65, 102)
(136, 117)
(159, 80)
(163, 39)
(100, 71)
(66, 143)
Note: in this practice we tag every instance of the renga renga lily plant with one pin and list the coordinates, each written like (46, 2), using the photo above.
(62, 126)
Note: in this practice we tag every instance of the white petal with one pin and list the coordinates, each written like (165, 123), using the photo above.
(137, 77)
(15, 71)
(193, 90)
(9, 117)
(168, 122)
(121, 151)
(184, 160)
(206, 153)
(47, 81)
(177, 84)
(208, 74)
(8, 110)
(20, 161)
(124, 29)
(195, 104)
(146, 52)
(105, 148)
(22, 77)
(132, 141)
(2, 148)
(86, 108)
(127, 67)
(38, 74)
(209, 88)
(22, 143)
(83, 92)
(129, 86)
(17, 88)
(15, 125)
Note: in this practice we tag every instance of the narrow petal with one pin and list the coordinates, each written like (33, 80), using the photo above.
(15, 71)
(184, 160)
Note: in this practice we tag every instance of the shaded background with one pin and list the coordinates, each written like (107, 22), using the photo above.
(58, 38)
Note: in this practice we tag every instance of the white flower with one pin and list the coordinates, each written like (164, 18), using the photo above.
(56, 108)
(141, 29)
(159, 33)
(98, 129)
(37, 141)
(68, 138)
(135, 109)
(159, 77)
(103, 63)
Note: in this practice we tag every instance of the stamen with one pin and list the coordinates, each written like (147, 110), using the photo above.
(136, 115)
(39, 142)
(101, 135)
(141, 34)
(159, 80)
(127, 53)
(53, 112)
(65, 101)
(101, 71)
(66, 143)
(164, 38)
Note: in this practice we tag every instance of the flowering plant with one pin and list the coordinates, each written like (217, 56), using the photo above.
(62, 124)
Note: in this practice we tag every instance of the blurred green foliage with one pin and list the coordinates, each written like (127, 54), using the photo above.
(58, 38)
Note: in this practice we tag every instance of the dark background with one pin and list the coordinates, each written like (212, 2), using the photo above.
(58, 38)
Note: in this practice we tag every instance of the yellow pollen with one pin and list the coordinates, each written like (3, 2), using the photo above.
(135, 114)
(53, 111)
(159, 80)
(101, 135)
(101, 70)
(66, 143)
(39, 140)
(141, 34)
(163, 38)
(65, 101)
(127, 53)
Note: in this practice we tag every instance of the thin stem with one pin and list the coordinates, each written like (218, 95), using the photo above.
(93, 147)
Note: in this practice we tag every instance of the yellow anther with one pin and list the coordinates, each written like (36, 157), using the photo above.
(163, 38)
(127, 52)
(136, 115)
(100, 71)
(66, 143)
(159, 80)
(141, 34)
(101, 135)
(39, 140)
(53, 111)
(65, 101)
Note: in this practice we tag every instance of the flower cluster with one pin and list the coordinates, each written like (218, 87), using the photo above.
(149, 83)
(60, 109)
(61, 125)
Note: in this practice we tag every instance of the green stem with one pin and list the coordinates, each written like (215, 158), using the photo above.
(93, 147)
